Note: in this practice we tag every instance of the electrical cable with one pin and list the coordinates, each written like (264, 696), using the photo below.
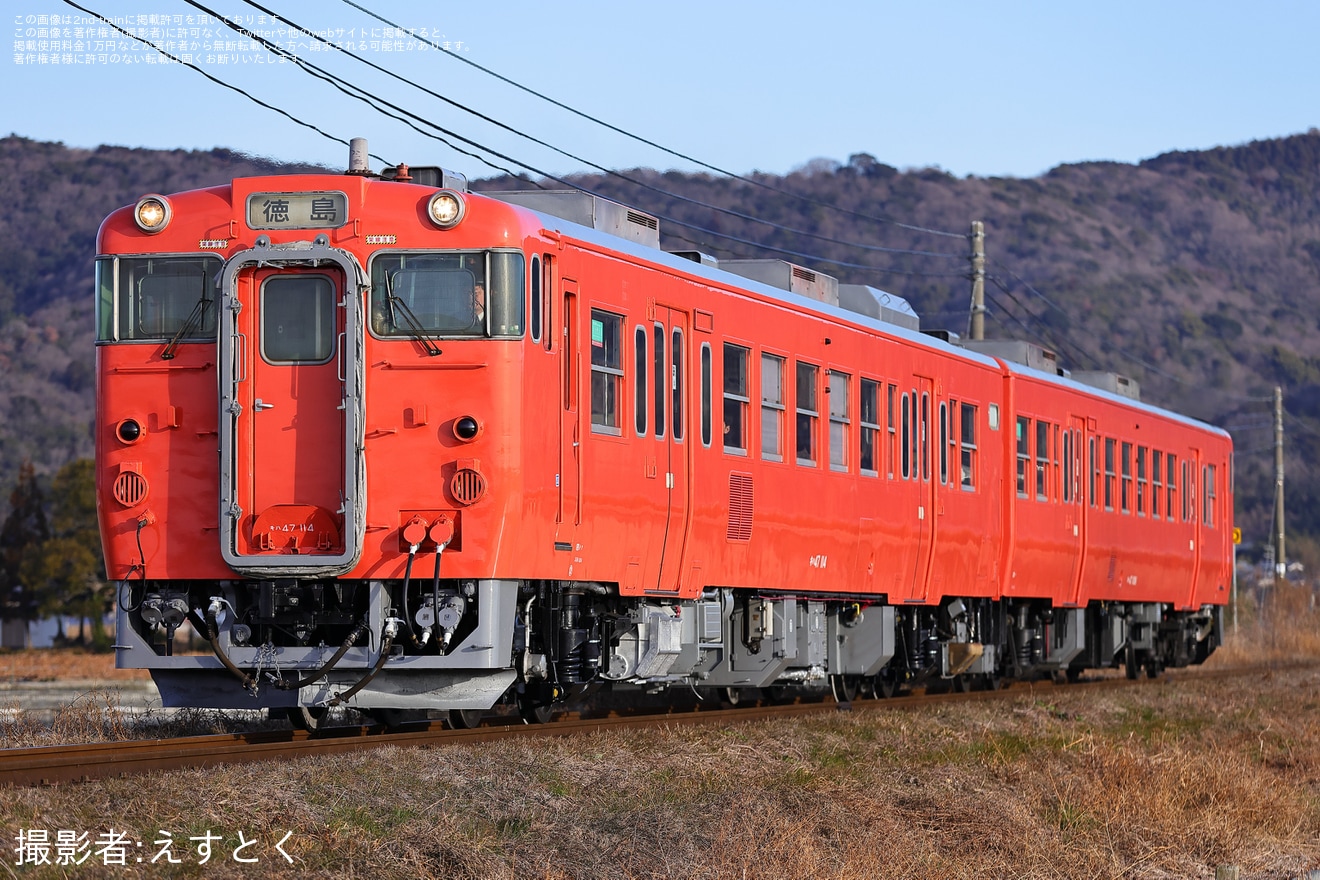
(640, 139)
(333, 78)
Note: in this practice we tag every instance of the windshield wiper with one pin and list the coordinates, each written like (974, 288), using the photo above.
(415, 327)
(194, 320)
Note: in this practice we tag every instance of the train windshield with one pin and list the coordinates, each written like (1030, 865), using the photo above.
(155, 298)
(449, 294)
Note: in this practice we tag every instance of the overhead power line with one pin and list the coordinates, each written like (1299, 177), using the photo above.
(543, 143)
(650, 143)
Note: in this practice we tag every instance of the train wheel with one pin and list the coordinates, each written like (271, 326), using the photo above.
(307, 718)
(534, 711)
(733, 697)
(962, 684)
(885, 687)
(844, 688)
(397, 717)
(992, 681)
(466, 719)
(777, 694)
(1153, 668)
(1130, 663)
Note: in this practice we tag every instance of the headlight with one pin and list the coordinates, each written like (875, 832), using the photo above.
(445, 209)
(152, 213)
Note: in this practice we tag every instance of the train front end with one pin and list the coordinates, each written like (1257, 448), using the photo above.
(307, 433)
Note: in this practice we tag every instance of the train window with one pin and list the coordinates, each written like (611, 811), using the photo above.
(297, 319)
(548, 291)
(736, 398)
(1156, 482)
(838, 388)
(447, 293)
(1188, 488)
(536, 298)
(772, 407)
(1054, 472)
(1094, 470)
(1110, 478)
(907, 435)
(1042, 460)
(870, 419)
(606, 372)
(1171, 473)
(1208, 496)
(676, 367)
(1023, 454)
(640, 400)
(1067, 467)
(925, 434)
(661, 380)
(992, 416)
(1141, 481)
(705, 394)
(967, 421)
(1126, 463)
(944, 443)
(157, 298)
(891, 457)
(808, 413)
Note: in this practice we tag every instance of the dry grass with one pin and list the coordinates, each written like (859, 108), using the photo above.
(1165, 780)
(63, 664)
(1283, 627)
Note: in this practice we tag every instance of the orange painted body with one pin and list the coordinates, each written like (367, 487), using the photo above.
(666, 510)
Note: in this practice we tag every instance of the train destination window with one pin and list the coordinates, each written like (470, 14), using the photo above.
(157, 298)
(838, 388)
(1023, 454)
(967, 422)
(705, 394)
(892, 456)
(1208, 496)
(606, 372)
(736, 398)
(772, 407)
(640, 400)
(447, 293)
(870, 419)
(1141, 481)
(1157, 482)
(297, 319)
(1110, 445)
(808, 412)
(1042, 460)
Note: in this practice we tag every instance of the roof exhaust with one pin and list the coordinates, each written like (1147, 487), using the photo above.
(358, 160)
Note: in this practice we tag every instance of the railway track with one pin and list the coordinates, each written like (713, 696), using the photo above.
(51, 765)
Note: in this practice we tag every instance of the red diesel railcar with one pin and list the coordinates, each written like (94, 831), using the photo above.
(397, 446)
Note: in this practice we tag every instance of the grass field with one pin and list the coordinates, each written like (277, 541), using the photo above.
(1169, 779)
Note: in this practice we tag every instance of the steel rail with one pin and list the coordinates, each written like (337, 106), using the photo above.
(51, 765)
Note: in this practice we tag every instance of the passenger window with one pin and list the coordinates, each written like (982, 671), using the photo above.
(1127, 477)
(606, 371)
(1023, 454)
(968, 464)
(870, 419)
(676, 365)
(807, 414)
(839, 420)
(736, 399)
(772, 407)
(640, 400)
(705, 394)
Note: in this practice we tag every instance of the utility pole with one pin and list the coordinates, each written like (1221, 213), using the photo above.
(1280, 560)
(977, 329)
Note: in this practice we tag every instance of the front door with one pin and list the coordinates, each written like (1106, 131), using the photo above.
(291, 483)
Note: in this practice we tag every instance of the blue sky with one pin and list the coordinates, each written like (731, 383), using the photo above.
(1009, 88)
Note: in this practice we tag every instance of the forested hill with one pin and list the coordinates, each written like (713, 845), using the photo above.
(1197, 273)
